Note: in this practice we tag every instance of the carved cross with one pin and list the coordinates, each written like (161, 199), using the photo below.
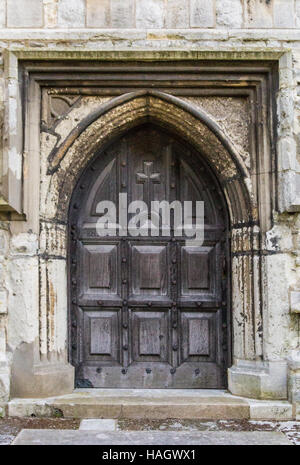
(147, 178)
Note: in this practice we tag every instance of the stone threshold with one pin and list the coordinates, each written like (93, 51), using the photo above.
(206, 404)
(73, 437)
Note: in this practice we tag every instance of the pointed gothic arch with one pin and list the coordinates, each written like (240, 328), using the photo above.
(112, 119)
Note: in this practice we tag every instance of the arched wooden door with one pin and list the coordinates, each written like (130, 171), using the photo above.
(148, 311)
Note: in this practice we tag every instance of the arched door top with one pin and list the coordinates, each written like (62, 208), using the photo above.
(116, 117)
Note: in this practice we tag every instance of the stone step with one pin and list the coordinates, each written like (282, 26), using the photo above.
(158, 404)
(163, 438)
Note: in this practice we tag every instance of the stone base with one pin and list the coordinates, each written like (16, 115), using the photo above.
(4, 385)
(258, 380)
(294, 381)
(156, 404)
(163, 438)
(45, 381)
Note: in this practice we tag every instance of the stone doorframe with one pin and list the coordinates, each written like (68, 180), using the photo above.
(40, 363)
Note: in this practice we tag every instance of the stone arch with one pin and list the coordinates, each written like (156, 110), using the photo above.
(112, 119)
(67, 162)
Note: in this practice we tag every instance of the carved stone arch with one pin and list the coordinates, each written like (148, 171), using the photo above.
(111, 120)
(95, 133)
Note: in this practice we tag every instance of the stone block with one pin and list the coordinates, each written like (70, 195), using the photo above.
(122, 13)
(297, 13)
(150, 14)
(163, 438)
(202, 13)
(50, 13)
(2, 13)
(295, 301)
(88, 409)
(270, 410)
(258, 14)
(98, 13)
(98, 425)
(283, 12)
(3, 302)
(286, 154)
(294, 381)
(177, 14)
(24, 244)
(44, 381)
(229, 13)
(206, 409)
(71, 13)
(2, 410)
(258, 380)
(25, 13)
(29, 408)
(4, 386)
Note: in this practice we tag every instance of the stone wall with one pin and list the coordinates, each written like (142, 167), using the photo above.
(225, 30)
(153, 14)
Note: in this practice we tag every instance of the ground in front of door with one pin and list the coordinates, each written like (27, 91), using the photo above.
(10, 427)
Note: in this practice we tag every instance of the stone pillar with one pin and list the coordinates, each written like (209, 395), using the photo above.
(261, 319)
(38, 330)
(4, 362)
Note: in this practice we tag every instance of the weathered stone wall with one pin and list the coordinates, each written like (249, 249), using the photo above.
(150, 14)
(230, 26)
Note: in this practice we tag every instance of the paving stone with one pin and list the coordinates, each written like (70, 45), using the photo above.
(25, 13)
(98, 425)
(73, 437)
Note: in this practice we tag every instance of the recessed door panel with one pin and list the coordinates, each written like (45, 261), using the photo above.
(149, 268)
(101, 269)
(102, 335)
(198, 336)
(200, 272)
(150, 335)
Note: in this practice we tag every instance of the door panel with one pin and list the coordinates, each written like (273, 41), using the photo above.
(100, 262)
(148, 310)
(102, 335)
(198, 336)
(150, 335)
(199, 268)
(149, 264)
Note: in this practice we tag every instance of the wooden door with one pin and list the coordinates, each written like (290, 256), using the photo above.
(148, 311)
